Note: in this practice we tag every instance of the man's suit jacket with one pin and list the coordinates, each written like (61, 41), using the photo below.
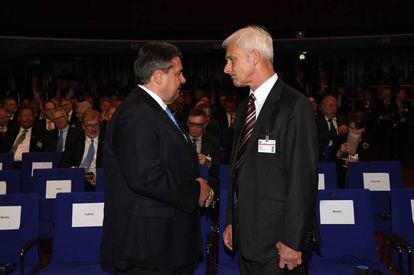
(52, 137)
(72, 156)
(324, 135)
(210, 146)
(276, 192)
(151, 195)
(36, 140)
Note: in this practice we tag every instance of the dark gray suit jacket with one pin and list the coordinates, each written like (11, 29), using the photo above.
(276, 192)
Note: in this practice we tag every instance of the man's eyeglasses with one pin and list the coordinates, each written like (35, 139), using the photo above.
(196, 125)
(60, 117)
(90, 126)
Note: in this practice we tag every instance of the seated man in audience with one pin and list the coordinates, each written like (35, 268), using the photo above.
(4, 121)
(10, 106)
(212, 126)
(352, 147)
(207, 147)
(45, 123)
(86, 150)
(68, 107)
(57, 139)
(330, 125)
(80, 108)
(22, 139)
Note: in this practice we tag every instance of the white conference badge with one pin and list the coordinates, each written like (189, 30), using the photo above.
(337, 211)
(87, 214)
(10, 217)
(321, 181)
(267, 146)
(53, 187)
(41, 165)
(377, 181)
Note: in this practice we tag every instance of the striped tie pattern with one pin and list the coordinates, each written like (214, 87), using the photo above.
(247, 130)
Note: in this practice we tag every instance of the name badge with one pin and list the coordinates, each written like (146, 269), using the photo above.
(267, 146)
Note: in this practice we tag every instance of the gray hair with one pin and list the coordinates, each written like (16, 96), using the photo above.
(252, 37)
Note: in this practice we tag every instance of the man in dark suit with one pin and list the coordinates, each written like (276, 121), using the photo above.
(329, 125)
(57, 139)
(152, 187)
(207, 146)
(86, 150)
(10, 106)
(71, 115)
(273, 184)
(23, 139)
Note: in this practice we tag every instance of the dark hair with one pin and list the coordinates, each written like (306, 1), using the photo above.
(25, 108)
(197, 112)
(358, 118)
(154, 56)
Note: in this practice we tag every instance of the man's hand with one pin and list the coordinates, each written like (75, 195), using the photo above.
(228, 237)
(288, 256)
(343, 129)
(206, 193)
(91, 179)
(202, 159)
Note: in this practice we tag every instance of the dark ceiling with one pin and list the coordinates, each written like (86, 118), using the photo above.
(202, 19)
(119, 27)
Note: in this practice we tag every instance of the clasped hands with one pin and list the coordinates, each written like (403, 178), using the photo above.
(206, 193)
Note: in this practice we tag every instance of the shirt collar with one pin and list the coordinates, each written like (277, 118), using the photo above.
(154, 96)
(333, 119)
(29, 130)
(95, 140)
(263, 90)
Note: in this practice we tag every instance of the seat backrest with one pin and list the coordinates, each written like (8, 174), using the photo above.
(78, 227)
(48, 182)
(224, 176)
(15, 235)
(9, 182)
(39, 160)
(99, 180)
(368, 169)
(6, 161)
(327, 176)
(339, 240)
(402, 213)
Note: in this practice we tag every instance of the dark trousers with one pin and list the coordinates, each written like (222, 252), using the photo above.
(270, 268)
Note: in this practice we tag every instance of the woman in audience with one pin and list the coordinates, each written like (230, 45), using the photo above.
(354, 146)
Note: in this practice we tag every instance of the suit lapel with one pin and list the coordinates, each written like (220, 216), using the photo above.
(264, 114)
(162, 114)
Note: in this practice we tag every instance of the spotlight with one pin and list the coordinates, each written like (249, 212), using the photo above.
(300, 34)
(302, 56)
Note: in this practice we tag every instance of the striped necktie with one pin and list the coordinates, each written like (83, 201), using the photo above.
(247, 131)
(18, 141)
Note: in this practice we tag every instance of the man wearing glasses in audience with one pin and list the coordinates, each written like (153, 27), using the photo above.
(207, 146)
(57, 139)
(86, 150)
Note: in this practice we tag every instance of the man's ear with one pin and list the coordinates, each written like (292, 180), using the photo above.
(256, 55)
(157, 77)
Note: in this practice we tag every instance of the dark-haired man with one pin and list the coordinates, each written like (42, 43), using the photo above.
(152, 184)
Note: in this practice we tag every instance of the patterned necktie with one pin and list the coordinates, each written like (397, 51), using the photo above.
(195, 143)
(171, 116)
(247, 131)
(86, 163)
(331, 126)
(18, 141)
(60, 141)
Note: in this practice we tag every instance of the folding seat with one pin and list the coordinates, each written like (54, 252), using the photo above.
(347, 232)
(19, 231)
(9, 182)
(379, 177)
(78, 231)
(327, 175)
(6, 161)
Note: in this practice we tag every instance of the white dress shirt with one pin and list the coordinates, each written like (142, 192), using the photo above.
(86, 149)
(262, 92)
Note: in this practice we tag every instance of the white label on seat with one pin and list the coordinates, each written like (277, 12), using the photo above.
(54, 187)
(377, 181)
(412, 209)
(10, 217)
(87, 214)
(337, 211)
(321, 181)
(1, 166)
(3, 188)
(41, 165)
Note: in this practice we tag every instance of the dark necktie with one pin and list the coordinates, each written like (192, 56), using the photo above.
(247, 131)
(195, 143)
(60, 141)
(331, 126)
